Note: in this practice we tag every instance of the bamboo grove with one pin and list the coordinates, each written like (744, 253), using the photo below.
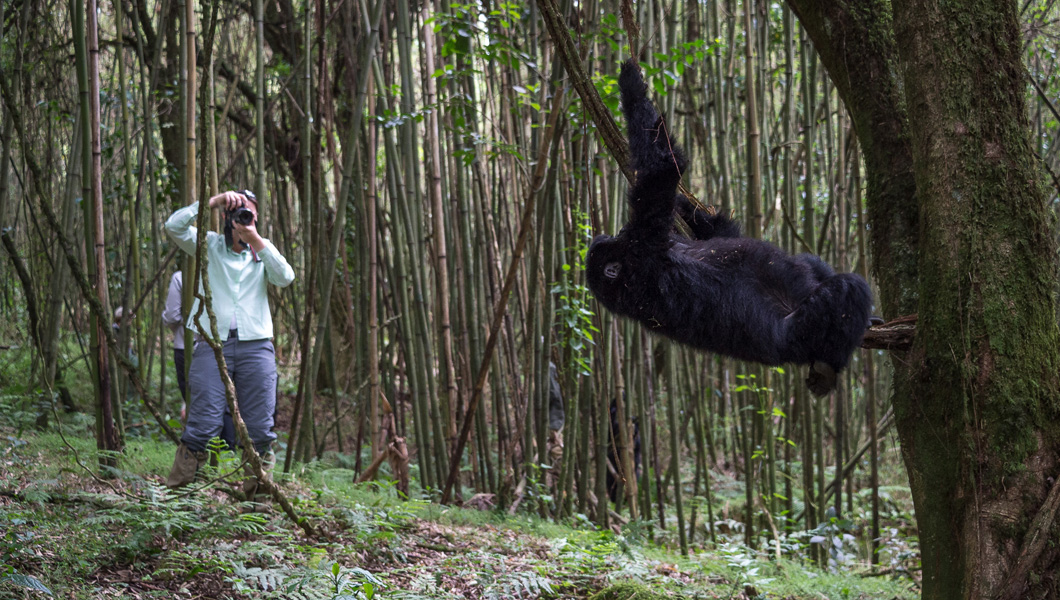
(397, 147)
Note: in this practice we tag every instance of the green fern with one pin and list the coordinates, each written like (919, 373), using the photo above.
(330, 581)
(423, 586)
(306, 595)
(248, 579)
(520, 585)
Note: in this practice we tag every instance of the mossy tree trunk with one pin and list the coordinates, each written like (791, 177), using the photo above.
(961, 236)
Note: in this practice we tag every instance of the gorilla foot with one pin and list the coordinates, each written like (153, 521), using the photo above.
(821, 380)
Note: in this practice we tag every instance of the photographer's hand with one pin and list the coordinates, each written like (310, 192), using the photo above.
(228, 200)
(249, 235)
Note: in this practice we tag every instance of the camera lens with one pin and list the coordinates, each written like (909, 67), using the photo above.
(242, 216)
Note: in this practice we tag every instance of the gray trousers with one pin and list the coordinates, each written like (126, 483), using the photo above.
(252, 367)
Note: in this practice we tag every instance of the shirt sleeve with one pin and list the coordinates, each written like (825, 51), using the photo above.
(180, 229)
(277, 270)
(171, 315)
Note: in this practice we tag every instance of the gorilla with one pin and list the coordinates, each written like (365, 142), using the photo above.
(720, 292)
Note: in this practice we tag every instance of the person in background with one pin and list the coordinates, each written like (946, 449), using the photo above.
(240, 265)
(173, 318)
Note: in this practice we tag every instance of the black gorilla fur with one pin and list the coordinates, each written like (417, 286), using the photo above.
(720, 292)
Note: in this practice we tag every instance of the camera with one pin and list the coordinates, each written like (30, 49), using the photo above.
(243, 215)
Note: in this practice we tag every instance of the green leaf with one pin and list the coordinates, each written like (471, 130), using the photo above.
(659, 86)
(27, 582)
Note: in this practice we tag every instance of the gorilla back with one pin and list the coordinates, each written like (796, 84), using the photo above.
(719, 292)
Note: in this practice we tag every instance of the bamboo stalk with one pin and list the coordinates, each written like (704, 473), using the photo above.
(509, 281)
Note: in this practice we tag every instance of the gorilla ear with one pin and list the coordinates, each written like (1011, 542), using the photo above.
(611, 270)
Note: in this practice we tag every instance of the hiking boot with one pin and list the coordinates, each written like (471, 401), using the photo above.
(185, 464)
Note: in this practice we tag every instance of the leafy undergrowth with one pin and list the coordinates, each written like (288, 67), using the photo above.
(65, 533)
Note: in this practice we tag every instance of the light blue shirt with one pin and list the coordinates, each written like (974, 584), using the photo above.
(237, 281)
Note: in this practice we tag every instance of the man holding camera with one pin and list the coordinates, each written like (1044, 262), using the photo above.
(241, 263)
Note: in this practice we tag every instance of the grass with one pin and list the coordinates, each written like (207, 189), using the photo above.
(82, 537)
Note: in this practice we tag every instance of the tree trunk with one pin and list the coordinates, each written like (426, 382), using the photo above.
(960, 233)
(988, 268)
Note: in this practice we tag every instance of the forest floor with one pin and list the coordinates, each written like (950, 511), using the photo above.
(76, 536)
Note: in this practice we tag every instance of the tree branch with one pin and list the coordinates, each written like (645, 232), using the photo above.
(896, 334)
(601, 116)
